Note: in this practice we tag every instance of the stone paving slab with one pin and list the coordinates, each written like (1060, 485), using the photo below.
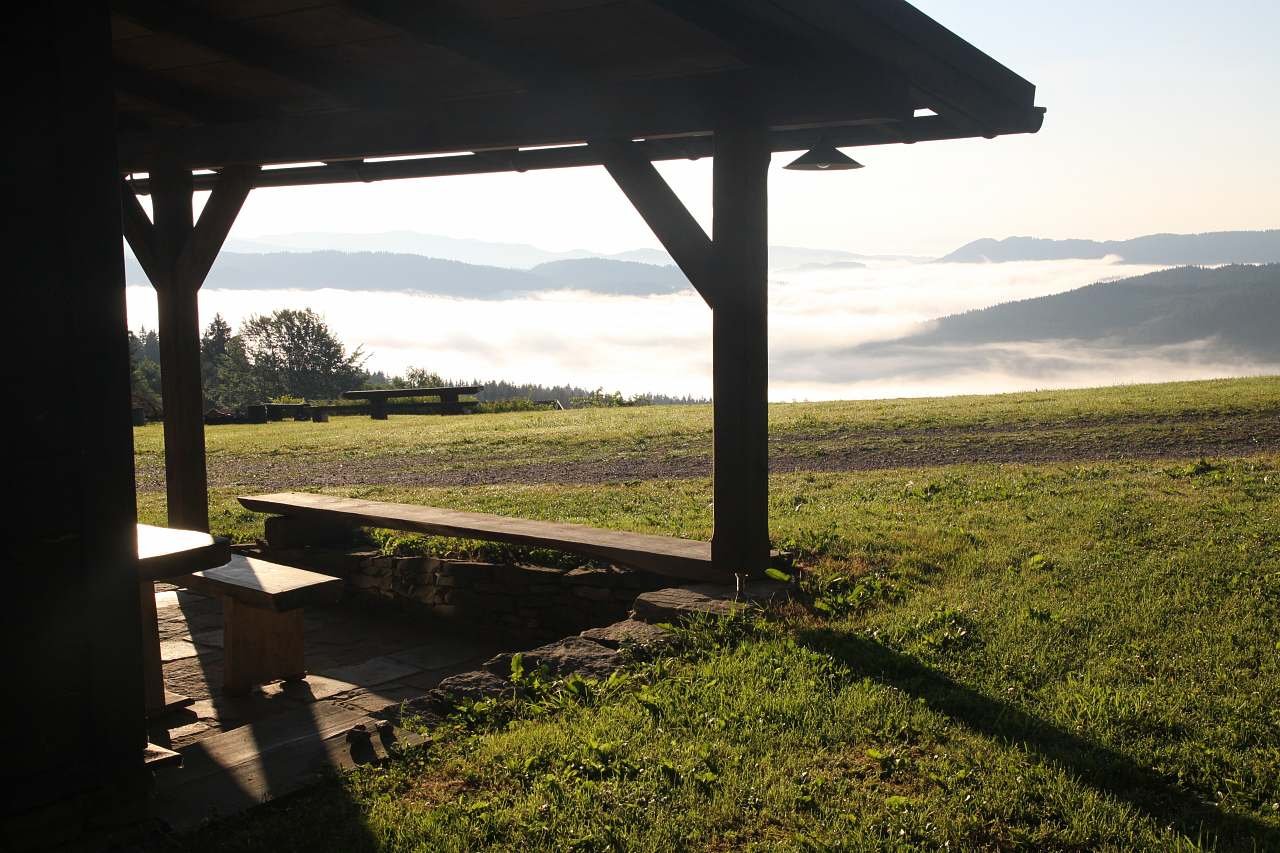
(437, 655)
(372, 672)
(171, 650)
(381, 697)
(313, 688)
(244, 749)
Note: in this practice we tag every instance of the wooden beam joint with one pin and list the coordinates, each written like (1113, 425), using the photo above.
(671, 222)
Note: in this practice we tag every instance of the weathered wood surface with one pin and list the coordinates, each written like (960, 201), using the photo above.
(451, 392)
(261, 645)
(740, 351)
(165, 552)
(241, 768)
(259, 583)
(665, 555)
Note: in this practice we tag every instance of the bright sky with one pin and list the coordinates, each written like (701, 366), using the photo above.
(1161, 118)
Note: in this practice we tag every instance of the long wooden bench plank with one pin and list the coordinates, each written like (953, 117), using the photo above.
(387, 393)
(666, 555)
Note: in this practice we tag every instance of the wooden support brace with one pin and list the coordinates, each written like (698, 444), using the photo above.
(176, 253)
(219, 214)
(731, 273)
(663, 212)
(139, 232)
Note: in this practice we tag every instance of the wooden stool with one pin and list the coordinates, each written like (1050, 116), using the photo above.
(262, 617)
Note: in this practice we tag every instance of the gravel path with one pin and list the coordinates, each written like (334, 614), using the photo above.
(1075, 441)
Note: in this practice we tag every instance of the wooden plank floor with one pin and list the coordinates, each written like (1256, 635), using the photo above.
(665, 555)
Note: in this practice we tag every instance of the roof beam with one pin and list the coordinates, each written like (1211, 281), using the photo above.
(247, 47)
(924, 129)
(680, 106)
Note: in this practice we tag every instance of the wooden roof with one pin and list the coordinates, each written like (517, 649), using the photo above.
(224, 82)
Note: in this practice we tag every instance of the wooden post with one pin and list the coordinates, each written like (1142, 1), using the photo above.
(740, 370)
(177, 298)
(730, 271)
(176, 254)
(72, 653)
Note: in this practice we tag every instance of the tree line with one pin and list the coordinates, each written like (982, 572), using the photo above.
(291, 355)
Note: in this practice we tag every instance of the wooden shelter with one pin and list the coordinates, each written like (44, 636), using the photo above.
(109, 101)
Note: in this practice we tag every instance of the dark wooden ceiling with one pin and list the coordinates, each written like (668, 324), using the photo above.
(276, 81)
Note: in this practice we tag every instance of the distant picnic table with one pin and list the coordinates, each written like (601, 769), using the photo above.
(450, 404)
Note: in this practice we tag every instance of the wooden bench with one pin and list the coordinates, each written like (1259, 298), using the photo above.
(262, 617)
(665, 555)
(450, 402)
(166, 553)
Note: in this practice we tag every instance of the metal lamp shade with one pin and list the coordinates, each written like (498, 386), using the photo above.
(823, 158)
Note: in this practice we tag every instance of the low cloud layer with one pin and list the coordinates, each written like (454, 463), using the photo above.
(818, 319)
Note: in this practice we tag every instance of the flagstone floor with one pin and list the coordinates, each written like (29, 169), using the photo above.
(240, 751)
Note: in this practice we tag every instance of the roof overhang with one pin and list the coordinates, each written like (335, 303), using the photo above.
(274, 87)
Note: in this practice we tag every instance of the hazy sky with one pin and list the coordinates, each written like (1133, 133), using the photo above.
(1161, 118)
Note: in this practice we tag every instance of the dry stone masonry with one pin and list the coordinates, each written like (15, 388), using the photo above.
(515, 600)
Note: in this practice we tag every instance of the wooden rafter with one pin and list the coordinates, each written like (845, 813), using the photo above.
(176, 99)
(249, 48)
(445, 25)
(751, 39)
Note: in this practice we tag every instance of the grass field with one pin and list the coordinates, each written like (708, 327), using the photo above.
(1074, 654)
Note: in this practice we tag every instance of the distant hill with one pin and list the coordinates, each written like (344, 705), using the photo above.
(1236, 307)
(617, 277)
(1222, 247)
(387, 271)
(834, 265)
(497, 254)
(479, 252)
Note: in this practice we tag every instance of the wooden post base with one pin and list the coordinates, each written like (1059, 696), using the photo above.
(292, 531)
(260, 645)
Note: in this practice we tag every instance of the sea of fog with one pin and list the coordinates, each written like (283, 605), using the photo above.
(663, 343)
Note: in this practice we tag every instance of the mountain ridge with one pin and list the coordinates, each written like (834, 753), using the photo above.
(504, 254)
(1207, 248)
(1233, 306)
(389, 271)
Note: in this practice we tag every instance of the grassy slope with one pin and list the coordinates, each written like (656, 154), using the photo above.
(523, 437)
(1050, 656)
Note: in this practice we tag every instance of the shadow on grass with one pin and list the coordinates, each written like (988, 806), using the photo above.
(1098, 766)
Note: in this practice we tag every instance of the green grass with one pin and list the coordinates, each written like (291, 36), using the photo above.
(516, 438)
(1059, 656)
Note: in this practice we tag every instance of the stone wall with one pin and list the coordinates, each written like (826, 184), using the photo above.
(515, 600)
